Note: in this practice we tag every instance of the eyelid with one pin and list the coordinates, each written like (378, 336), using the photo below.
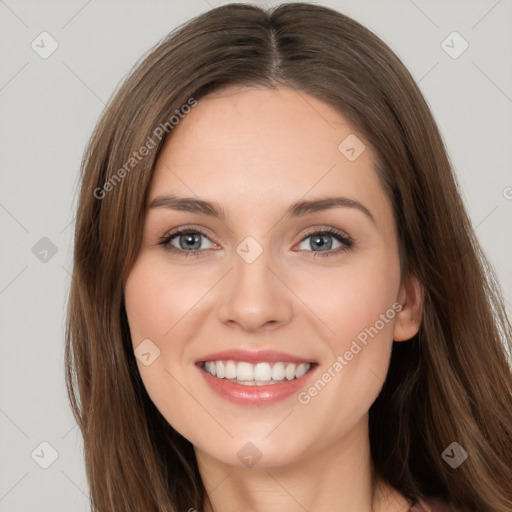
(327, 229)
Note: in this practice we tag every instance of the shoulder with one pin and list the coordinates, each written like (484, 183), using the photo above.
(433, 505)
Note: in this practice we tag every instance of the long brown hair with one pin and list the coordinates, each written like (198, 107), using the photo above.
(450, 383)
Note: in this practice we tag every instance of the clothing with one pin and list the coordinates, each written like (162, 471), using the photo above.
(431, 506)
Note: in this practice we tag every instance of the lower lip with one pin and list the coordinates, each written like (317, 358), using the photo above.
(256, 395)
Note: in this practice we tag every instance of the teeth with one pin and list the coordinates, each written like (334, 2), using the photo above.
(221, 370)
(230, 370)
(262, 371)
(244, 371)
(278, 371)
(301, 370)
(257, 374)
(290, 370)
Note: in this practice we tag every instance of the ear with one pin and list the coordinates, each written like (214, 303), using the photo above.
(408, 319)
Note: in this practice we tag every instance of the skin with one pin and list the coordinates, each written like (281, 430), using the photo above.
(255, 151)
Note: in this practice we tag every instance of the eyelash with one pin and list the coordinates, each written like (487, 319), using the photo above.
(340, 236)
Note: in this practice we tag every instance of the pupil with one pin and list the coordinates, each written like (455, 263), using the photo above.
(320, 241)
(189, 237)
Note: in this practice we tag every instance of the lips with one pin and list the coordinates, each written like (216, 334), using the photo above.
(251, 356)
(261, 394)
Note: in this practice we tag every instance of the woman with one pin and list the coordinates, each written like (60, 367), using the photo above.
(215, 361)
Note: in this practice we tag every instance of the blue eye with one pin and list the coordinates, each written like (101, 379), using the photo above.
(189, 242)
(187, 239)
(323, 238)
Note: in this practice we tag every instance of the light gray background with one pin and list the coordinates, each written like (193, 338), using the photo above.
(48, 108)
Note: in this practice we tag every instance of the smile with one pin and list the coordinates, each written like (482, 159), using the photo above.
(255, 384)
(258, 374)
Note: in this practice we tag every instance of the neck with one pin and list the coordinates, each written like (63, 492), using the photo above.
(335, 477)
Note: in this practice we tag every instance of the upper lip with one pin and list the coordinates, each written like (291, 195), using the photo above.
(253, 356)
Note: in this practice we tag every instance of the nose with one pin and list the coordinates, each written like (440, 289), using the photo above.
(254, 296)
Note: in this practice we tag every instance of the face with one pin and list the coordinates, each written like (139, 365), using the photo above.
(269, 284)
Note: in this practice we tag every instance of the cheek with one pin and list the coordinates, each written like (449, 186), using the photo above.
(158, 303)
(157, 299)
(353, 298)
(358, 311)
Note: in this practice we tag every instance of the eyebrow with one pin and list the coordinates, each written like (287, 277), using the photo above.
(298, 209)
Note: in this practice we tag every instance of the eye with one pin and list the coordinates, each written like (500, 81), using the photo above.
(323, 239)
(186, 241)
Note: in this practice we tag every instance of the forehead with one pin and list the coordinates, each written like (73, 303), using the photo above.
(265, 145)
